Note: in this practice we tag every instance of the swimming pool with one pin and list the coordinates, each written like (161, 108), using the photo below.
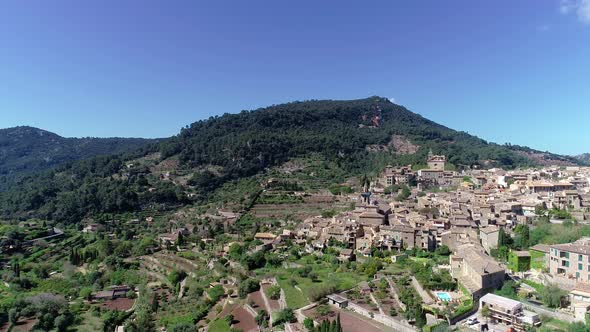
(443, 296)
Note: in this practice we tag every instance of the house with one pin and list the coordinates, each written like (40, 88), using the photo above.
(337, 300)
(509, 312)
(168, 239)
(436, 162)
(113, 292)
(475, 270)
(265, 237)
(396, 175)
(346, 255)
(489, 237)
(571, 260)
(580, 301)
(91, 228)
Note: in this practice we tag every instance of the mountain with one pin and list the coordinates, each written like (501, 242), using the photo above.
(355, 137)
(583, 158)
(26, 150)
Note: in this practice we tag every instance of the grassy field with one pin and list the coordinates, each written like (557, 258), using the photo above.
(326, 275)
(295, 298)
(90, 323)
(538, 287)
(555, 325)
(219, 325)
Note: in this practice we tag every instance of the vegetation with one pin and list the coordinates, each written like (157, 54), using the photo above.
(28, 150)
(234, 146)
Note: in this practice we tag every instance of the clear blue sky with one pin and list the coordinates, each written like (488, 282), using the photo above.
(507, 71)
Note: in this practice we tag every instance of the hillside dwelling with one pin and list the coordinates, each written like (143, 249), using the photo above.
(265, 236)
(489, 237)
(113, 292)
(436, 162)
(337, 301)
(91, 228)
(369, 215)
(168, 238)
(548, 187)
(509, 312)
(580, 301)
(346, 255)
(475, 270)
(571, 260)
(396, 175)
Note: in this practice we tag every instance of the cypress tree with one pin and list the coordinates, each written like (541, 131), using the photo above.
(155, 303)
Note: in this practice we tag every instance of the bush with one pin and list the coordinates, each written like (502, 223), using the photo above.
(248, 286)
(552, 296)
(274, 292)
(285, 316)
(318, 292)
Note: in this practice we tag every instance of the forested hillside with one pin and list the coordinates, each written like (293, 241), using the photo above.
(356, 135)
(26, 149)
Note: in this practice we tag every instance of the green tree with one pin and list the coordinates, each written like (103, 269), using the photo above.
(262, 318)
(552, 295)
(248, 286)
(420, 316)
(155, 305)
(485, 312)
(13, 315)
(285, 316)
(183, 327)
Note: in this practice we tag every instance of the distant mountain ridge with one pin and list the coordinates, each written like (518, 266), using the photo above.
(25, 149)
(584, 158)
(358, 136)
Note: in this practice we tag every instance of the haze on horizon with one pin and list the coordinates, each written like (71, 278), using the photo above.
(504, 71)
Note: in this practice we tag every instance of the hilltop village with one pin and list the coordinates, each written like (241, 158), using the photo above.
(411, 249)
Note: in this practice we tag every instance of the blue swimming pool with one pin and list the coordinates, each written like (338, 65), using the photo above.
(443, 296)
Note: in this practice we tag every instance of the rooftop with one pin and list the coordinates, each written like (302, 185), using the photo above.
(500, 301)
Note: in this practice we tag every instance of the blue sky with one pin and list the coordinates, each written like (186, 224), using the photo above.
(507, 71)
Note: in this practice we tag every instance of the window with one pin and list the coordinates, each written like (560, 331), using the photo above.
(579, 258)
(577, 275)
(565, 263)
(580, 266)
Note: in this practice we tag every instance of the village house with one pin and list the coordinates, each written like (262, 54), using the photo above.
(396, 175)
(509, 312)
(571, 260)
(91, 228)
(489, 237)
(476, 271)
(579, 299)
